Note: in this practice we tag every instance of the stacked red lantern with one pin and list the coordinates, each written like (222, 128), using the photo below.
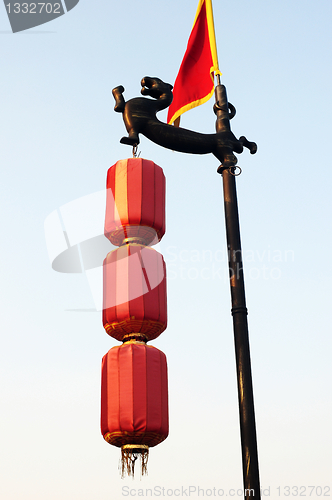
(134, 397)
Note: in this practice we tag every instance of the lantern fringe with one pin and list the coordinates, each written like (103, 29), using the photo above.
(129, 455)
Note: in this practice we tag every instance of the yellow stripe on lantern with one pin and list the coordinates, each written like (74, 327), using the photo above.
(121, 191)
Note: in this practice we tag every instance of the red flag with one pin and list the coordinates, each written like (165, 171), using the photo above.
(194, 84)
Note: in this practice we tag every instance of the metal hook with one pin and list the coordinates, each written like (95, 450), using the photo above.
(135, 154)
(232, 170)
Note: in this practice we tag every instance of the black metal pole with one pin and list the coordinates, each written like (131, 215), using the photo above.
(239, 312)
(241, 340)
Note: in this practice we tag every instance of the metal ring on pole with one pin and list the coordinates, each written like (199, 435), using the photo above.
(233, 172)
(239, 309)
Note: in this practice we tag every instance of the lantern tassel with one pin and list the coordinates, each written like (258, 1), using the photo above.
(129, 454)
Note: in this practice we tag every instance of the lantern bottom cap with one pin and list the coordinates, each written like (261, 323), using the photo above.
(135, 448)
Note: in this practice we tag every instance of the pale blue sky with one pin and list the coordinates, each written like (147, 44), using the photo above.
(59, 135)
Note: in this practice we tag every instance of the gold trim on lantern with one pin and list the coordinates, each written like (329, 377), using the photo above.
(150, 328)
(119, 438)
(134, 341)
(135, 240)
(135, 337)
(121, 233)
(137, 447)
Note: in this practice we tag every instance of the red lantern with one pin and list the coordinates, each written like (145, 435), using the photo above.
(134, 413)
(135, 206)
(134, 400)
(134, 293)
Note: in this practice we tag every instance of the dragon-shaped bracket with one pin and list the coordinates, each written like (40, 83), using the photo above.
(139, 116)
